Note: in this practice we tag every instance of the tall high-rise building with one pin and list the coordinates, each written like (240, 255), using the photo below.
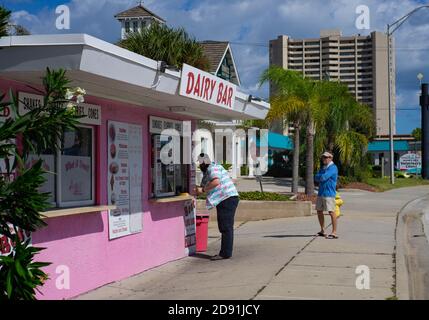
(360, 62)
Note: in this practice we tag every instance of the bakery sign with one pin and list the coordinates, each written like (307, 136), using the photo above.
(92, 113)
(203, 86)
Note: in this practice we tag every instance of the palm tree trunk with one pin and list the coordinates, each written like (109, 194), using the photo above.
(331, 145)
(309, 160)
(295, 168)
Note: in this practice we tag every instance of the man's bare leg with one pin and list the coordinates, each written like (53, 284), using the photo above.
(321, 218)
(334, 222)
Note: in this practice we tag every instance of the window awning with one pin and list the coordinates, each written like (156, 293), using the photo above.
(383, 146)
(277, 141)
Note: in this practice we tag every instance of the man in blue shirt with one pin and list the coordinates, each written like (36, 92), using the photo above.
(327, 179)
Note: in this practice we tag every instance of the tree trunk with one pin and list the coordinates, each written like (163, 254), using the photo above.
(295, 166)
(309, 160)
(331, 146)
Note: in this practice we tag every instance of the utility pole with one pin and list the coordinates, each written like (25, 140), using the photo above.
(389, 77)
(391, 28)
(424, 103)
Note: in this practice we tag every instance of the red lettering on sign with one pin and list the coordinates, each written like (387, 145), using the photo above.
(6, 112)
(225, 96)
(5, 247)
(206, 89)
(197, 86)
(191, 80)
(220, 93)
(231, 92)
(212, 85)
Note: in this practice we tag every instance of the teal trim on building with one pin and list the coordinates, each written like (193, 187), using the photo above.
(384, 146)
(277, 141)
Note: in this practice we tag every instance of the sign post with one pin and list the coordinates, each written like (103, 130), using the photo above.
(424, 103)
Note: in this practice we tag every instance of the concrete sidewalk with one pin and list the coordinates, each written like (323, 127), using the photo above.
(269, 184)
(281, 259)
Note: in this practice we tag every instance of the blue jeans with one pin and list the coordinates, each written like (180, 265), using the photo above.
(225, 221)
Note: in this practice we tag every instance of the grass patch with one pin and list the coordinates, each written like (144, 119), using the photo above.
(383, 184)
(258, 196)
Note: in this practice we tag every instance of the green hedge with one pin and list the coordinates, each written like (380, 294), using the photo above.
(258, 196)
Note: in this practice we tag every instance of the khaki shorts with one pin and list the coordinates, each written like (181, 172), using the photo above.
(325, 204)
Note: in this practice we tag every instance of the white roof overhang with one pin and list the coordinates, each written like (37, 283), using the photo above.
(108, 71)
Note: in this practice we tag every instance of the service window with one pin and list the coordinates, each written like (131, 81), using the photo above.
(168, 179)
(76, 168)
(48, 157)
(70, 170)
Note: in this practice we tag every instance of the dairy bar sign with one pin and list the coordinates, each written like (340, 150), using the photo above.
(203, 86)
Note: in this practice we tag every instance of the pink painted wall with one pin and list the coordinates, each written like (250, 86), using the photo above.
(81, 242)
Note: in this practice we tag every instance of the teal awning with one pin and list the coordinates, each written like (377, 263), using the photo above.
(277, 141)
(383, 146)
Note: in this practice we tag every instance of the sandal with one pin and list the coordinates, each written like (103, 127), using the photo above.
(321, 234)
(332, 236)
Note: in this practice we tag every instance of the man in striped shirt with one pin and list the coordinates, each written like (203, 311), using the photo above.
(222, 195)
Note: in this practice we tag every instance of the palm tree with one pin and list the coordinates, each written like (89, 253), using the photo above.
(161, 43)
(323, 107)
(4, 21)
(347, 124)
(19, 30)
(288, 104)
(316, 119)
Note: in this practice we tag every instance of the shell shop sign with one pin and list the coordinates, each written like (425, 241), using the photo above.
(92, 112)
(203, 86)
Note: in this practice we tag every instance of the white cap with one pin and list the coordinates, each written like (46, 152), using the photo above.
(204, 158)
(327, 155)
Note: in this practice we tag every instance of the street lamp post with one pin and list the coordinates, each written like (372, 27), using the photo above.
(391, 28)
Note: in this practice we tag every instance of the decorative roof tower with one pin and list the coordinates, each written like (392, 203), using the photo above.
(136, 19)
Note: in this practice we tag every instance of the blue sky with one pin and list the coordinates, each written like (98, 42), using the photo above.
(250, 24)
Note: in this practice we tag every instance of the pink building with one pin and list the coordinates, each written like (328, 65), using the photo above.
(117, 209)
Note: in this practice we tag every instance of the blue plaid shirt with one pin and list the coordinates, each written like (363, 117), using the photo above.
(226, 189)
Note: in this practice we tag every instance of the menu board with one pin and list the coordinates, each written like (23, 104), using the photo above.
(124, 174)
(190, 228)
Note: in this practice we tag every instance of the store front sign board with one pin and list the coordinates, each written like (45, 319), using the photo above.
(203, 86)
(91, 112)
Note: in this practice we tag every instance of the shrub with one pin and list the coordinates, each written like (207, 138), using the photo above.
(258, 196)
(344, 181)
(244, 170)
(226, 166)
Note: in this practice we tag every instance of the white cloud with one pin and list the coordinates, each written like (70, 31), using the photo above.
(24, 16)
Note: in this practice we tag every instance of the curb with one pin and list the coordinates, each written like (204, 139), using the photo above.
(411, 252)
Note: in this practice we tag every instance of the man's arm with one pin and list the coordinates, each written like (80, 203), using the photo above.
(318, 175)
(211, 185)
(213, 177)
(328, 174)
